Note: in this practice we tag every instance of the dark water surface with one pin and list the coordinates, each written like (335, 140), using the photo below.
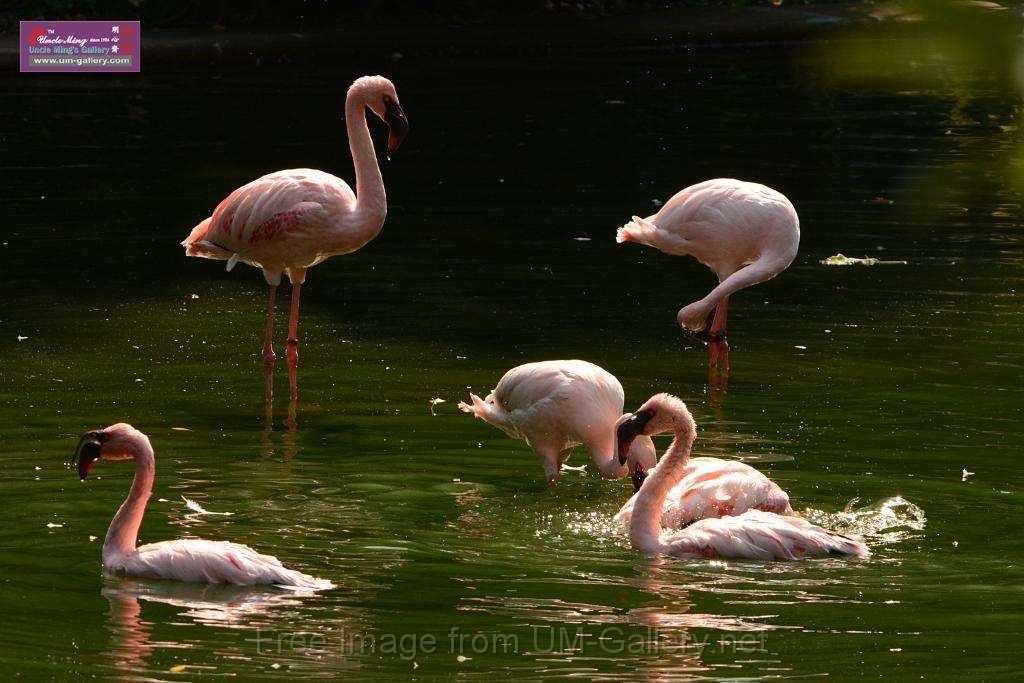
(451, 555)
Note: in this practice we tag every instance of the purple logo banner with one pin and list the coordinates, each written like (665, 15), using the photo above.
(80, 46)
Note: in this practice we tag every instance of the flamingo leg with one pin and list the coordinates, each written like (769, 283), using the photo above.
(268, 351)
(293, 341)
(718, 346)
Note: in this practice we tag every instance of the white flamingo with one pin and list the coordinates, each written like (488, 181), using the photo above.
(754, 534)
(745, 233)
(556, 405)
(289, 221)
(187, 559)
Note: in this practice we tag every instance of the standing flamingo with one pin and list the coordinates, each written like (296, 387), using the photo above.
(744, 232)
(754, 534)
(187, 559)
(289, 221)
(555, 405)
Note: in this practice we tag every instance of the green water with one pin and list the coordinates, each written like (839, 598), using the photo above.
(451, 555)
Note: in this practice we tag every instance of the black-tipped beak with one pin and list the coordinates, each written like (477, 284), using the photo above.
(639, 476)
(88, 452)
(398, 125)
(629, 430)
(704, 336)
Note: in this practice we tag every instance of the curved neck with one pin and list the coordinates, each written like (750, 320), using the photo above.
(371, 202)
(123, 533)
(642, 451)
(645, 524)
(605, 457)
(765, 268)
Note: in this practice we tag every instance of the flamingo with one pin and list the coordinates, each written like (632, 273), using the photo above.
(289, 221)
(555, 405)
(754, 534)
(187, 559)
(745, 233)
(712, 487)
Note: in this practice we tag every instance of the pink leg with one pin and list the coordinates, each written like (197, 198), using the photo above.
(718, 349)
(268, 351)
(293, 341)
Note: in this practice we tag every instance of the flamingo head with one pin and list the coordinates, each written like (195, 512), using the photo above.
(661, 413)
(119, 441)
(382, 99)
(692, 318)
(640, 449)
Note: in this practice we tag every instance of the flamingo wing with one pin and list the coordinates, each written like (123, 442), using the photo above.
(201, 561)
(542, 402)
(559, 402)
(269, 210)
(758, 535)
(713, 487)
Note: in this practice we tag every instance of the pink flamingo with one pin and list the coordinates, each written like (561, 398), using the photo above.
(712, 487)
(744, 232)
(187, 559)
(754, 534)
(289, 221)
(555, 405)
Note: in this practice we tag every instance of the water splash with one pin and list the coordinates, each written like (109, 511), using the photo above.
(889, 521)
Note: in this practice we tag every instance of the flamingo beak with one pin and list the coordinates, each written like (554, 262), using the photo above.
(398, 125)
(638, 477)
(628, 431)
(88, 452)
(704, 336)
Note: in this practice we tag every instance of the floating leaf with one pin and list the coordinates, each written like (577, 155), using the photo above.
(840, 260)
(199, 509)
(433, 402)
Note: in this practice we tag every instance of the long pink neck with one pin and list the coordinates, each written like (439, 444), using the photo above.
(605, 455)
(765, 268)
(371, 201)
(123, 533)
(645, 524)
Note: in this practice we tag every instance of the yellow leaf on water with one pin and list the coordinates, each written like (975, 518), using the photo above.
(433, 402)
(181, 429)
(841, 260)
(178, 668)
